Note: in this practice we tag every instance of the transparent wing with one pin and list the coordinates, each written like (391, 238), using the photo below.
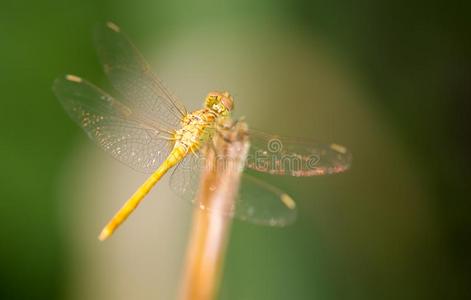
(257, 202)
(279, 155)
(262, 203)
(136, 142)
(185, 177)
(132, 77)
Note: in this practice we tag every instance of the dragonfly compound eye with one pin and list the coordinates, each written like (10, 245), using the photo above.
(219, 101)
(227, 102)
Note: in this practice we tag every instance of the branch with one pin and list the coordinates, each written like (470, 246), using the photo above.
(218, 189)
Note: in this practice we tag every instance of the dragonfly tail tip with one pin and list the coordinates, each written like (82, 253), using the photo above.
(105, 233)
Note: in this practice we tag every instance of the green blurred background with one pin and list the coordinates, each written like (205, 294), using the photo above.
(389, 79)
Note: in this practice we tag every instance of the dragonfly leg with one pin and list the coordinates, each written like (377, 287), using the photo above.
(212, 144)
(194, 152)
(231, 126)
(236, 122)
(223, 137)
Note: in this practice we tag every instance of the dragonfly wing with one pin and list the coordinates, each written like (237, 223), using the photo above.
(131, 76)
(257, 201)
(113, 125)
(279, 155)
(261, 203)
(185, 177)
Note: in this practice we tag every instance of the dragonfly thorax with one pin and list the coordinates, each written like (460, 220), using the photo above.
(219, 102)
(196, 127)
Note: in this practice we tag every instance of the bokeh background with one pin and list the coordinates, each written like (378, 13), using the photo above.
(389, 79)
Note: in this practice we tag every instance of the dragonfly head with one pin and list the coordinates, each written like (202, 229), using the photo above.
(220, 102)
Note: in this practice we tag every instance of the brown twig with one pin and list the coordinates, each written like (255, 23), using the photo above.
(219, 185)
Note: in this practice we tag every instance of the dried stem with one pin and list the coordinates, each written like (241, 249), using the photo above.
(210, 231)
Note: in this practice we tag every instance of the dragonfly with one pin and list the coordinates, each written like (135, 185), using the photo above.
(150, 130)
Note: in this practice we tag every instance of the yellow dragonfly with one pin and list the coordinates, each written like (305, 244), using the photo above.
(150, 130)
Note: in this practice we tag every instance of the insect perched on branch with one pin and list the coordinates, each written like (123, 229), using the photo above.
(151, 131)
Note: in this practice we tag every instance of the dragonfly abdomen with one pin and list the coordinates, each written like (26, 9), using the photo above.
(177, 154)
